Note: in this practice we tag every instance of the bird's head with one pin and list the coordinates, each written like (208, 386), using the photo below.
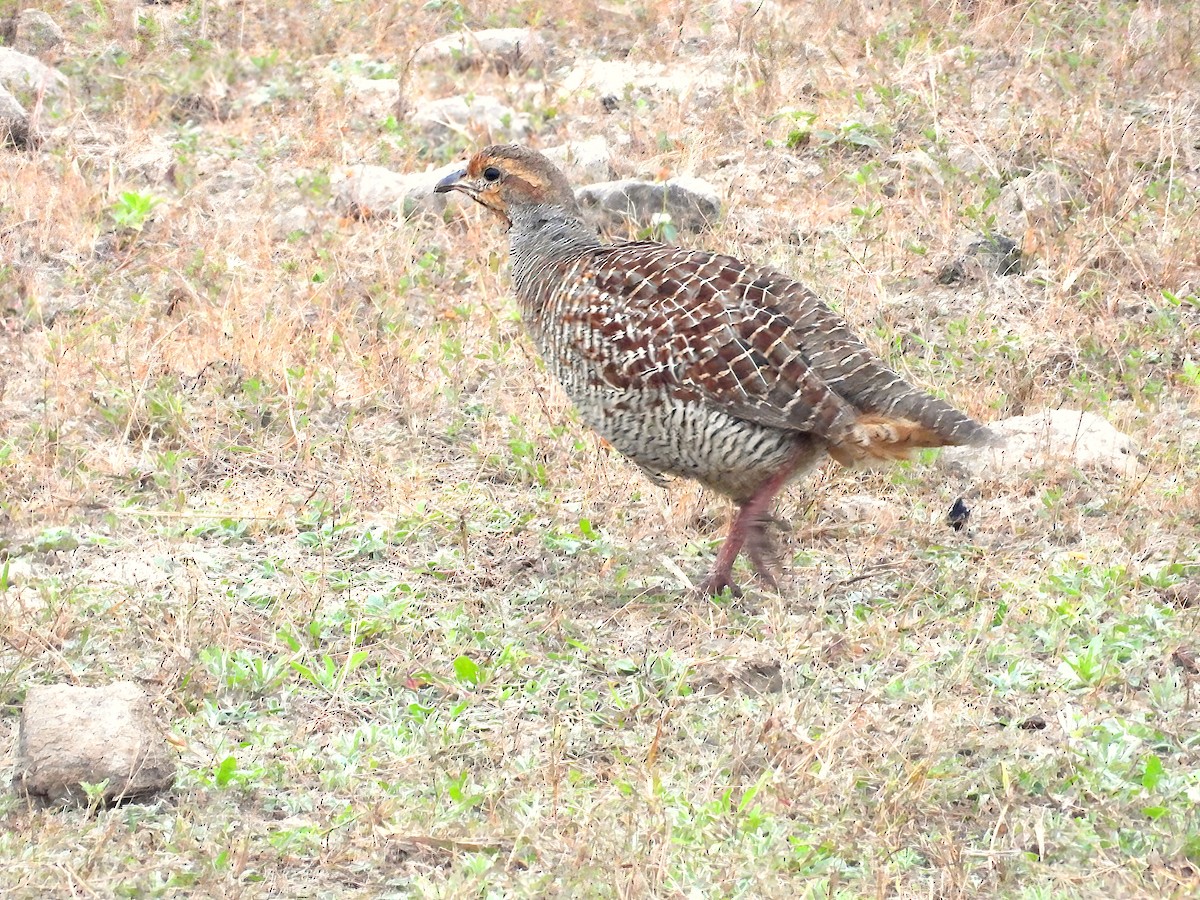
(508, 177)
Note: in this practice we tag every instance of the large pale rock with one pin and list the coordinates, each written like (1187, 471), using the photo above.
(1052, 439)
(74, 735)
(368, 191)
(583, 162)
(297, 220)
(37, 33)
(14, 121)
(479, 119)
(374, 98)
(24, 74)
(504, 49)
(690, 203)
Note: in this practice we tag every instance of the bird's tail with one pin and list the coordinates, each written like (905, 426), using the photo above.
(876, 437)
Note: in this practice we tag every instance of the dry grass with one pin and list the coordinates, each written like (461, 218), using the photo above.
(316, 493)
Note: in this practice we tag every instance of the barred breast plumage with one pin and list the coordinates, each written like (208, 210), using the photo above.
(696, 364)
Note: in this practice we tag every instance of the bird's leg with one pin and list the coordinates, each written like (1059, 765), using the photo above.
(720, 576)
(762, 552)
(748, 530)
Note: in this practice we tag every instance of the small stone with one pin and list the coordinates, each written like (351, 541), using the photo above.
(502, 49)
(691, 204)
(997, 253)
(969, 159)
(71, 736)
(1042, 198)
(986, 254)
(37, 33)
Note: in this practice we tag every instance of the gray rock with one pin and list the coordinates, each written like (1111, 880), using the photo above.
(689, 204)
(368, 191)
(74, 735)
(374, 98)
(981, 256)
(37, 33)
(24, 74)
(1042, 198)
(14, 121)
(152, 161)
(222, 174)
(479, 119)
(583, 161)
(970, 159)
(1047, 440)
(297, 220)
(503, 49)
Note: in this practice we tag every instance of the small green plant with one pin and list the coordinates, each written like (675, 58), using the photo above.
(241, 672)
(468, 672)
(56, 539)
(132, 210)
(96, 794)
(1190, 373)
(662, 228)
(225, 772)
(329, 675)
(1089, 665)
(801, 132)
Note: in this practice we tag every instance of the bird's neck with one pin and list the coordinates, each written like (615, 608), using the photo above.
(541, 235)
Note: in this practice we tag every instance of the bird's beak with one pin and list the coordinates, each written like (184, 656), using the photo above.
(454, 182)
(473, 188)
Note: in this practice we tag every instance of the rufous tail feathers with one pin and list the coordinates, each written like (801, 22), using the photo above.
(875, 437)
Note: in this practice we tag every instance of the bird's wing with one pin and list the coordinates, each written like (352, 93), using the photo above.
(702, 326)
(745, 339)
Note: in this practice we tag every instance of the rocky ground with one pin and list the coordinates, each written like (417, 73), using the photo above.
(289, 501)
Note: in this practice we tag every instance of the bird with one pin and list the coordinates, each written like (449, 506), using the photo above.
(696, 364)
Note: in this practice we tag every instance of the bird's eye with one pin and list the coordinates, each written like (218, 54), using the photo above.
(491, 173)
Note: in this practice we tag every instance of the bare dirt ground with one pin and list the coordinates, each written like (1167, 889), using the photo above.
(293, 467)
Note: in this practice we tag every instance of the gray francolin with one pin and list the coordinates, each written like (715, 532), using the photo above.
(696, 364)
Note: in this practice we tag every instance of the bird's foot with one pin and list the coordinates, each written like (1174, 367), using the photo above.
(716, 583)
